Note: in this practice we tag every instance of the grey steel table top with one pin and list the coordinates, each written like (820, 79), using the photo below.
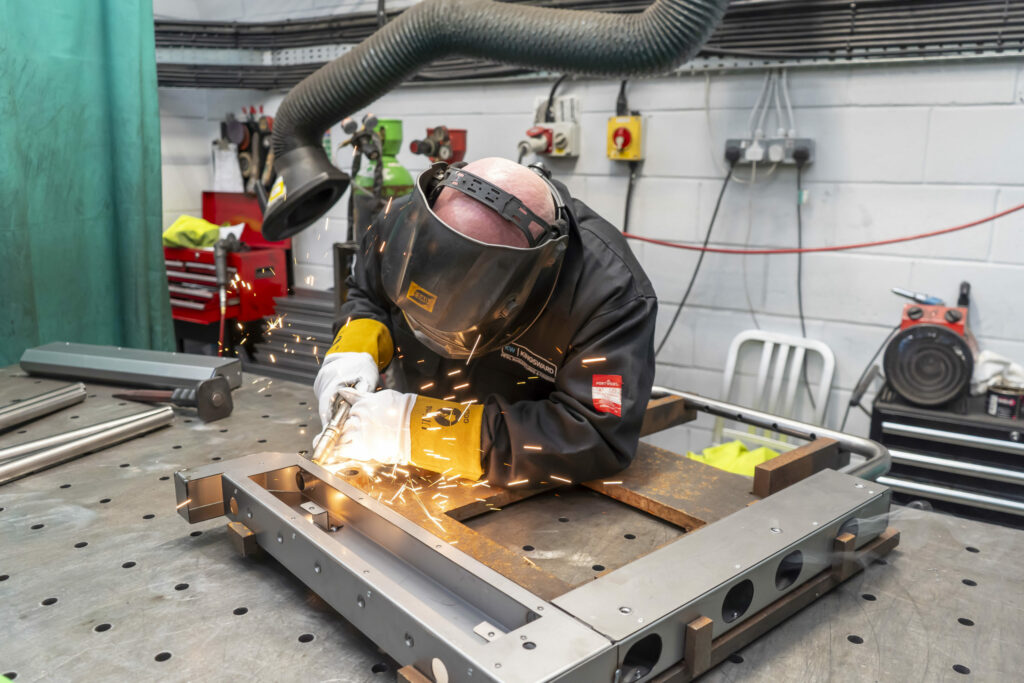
(186, 594)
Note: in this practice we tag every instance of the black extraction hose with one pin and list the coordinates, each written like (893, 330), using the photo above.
(666, 34)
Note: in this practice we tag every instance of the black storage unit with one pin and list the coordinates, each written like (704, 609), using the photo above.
(957, 457)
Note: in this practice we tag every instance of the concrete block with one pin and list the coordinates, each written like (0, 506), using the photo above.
(937, 83)
(186, 141)
(1008, 232)
(976, 144)
(182, 103)
(871, 212)
(865, 144)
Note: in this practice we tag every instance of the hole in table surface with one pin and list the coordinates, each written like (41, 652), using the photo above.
(162, 657)
(36, 527)
(196, 533)
(969, 582)
(598, 567)
(176, 447)
(965, 621)
(629, 537)
(527, 548)
(63, 486)
(261, 441)
(11, 675)
(869, 597)
(971, 549)
(563, 519)
(104, 500)
(100, 628)
(856, 640)
(126, 464)
(306, 637)
(127, 565)
(735, 658)
(216, 457)
(149, 516)
(181, 586)
(49, 601)
(240, 610)
(961, 669)
(4, 577)
(164, 478)
(379, 668)
(81, 544)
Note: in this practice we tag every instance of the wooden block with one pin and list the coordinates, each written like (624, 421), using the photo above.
(410, 674)
(697, 646)
(666, 412)
(790, 467)
(844, 563)
(243, 539)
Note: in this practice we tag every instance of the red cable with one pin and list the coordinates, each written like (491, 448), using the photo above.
(841, 247)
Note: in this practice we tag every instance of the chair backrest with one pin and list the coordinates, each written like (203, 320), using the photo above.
(779, 376)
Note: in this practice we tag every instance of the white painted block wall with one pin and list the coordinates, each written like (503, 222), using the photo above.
(900, 150)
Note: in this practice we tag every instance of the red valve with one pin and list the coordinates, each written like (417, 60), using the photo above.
(622, 138)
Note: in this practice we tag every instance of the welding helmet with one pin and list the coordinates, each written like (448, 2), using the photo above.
(462, 297)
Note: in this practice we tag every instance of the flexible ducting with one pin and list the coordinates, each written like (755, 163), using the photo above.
(657, 40)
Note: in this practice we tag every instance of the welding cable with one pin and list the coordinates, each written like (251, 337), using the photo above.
(696, 268)
(839, 247)
(864, 373)
(634, 170)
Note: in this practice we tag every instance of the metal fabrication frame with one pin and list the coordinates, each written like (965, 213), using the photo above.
(438, 597)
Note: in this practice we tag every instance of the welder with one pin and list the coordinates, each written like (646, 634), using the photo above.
(518, 326)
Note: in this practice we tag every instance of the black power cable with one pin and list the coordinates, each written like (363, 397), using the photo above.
(634, 171)
(549, 114)
(800, 263)
(863, 374)
(700, 259)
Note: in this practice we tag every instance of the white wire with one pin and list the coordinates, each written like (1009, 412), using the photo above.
(789, 104)
(757, 104)
(780, 130)
(759, 133)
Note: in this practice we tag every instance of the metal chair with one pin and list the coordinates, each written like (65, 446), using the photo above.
(779, 377)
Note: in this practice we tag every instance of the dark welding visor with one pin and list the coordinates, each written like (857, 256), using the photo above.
(460, 296)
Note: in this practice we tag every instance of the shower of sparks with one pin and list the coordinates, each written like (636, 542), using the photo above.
(567, 481)
(449, 398)
(454, 372)
(426, 386)
(517, 482)
(473, 350)
(460, 386)
(388, 207)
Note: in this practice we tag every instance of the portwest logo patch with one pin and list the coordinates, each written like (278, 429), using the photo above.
(523, 356)
(421, 297)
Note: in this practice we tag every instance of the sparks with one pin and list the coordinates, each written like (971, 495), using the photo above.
(460, 386)
(272, 358)
(479, 483)
(567, 481)
(517, 482)
(599, 359)
(473, 350)
(426, 386)
(449, 398)
(532, 448)
(609, 483)
(454, 372)
(388, 207)
(381, 250)
(183, 504)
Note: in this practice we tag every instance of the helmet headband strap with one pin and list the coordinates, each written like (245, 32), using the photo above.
(505, 204)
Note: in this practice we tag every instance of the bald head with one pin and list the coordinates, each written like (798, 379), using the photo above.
(478, 221)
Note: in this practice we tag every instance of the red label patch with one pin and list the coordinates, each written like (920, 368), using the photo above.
(607, 393)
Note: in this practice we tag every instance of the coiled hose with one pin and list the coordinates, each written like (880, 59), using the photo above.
(666, 34)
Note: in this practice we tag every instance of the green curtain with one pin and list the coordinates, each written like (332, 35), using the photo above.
(80, 205)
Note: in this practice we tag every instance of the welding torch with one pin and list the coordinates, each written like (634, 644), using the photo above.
(331, 435)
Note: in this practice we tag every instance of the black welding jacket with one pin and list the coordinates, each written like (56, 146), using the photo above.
(568, 396)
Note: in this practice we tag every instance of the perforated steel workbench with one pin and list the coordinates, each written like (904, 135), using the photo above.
(142, 595)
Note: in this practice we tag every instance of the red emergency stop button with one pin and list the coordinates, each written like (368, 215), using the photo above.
(622, 138)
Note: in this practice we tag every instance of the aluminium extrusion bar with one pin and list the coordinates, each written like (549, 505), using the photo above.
(877, 461)
(12, 452)
(43, 404)
(136, 367)
(39, 460)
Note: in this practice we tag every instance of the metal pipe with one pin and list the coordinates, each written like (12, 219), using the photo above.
(953, 438)
(12, 452)
(43, 404)
(1013, 507)
(877, 456)
(33, 462)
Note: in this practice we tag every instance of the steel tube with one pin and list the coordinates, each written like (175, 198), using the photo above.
(12, 452)
(969, 469)
(33, 462)
(877, 456)
(40, 405)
